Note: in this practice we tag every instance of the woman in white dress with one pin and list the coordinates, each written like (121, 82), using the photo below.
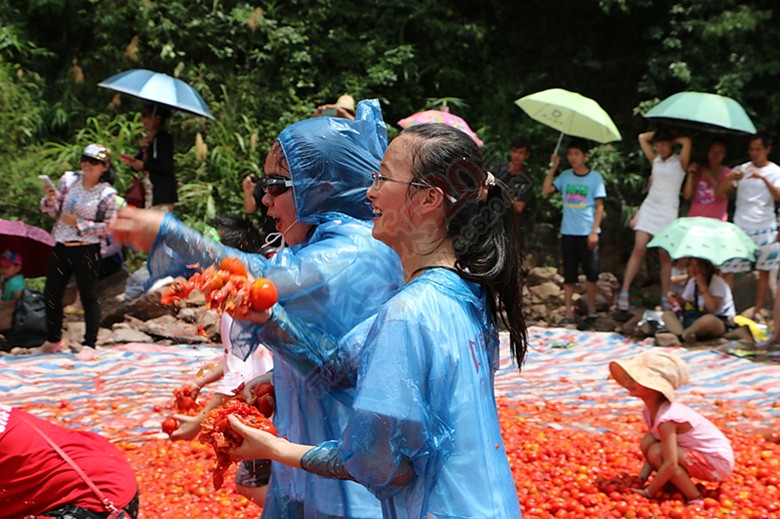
(660, 207)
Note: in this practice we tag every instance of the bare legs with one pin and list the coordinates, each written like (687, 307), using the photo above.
(568, 293)
(705, 327)
(640, 248)
(651, 448)
(761, 290)
(666, 270)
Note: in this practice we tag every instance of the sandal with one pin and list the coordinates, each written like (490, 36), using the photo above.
(622, 302)
(665, 304)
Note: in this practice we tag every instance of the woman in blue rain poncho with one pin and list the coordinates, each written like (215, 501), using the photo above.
(424, 435)
(332, 275)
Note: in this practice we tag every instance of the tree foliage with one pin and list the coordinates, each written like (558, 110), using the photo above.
(262, 66)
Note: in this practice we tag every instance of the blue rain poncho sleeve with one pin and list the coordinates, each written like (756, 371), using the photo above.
(316, 355)
(179, 250)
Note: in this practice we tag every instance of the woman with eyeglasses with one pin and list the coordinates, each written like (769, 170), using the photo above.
(423, 434)
(84, 204)
(331, 275)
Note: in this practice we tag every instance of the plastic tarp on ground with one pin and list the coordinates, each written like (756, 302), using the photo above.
(115, 393)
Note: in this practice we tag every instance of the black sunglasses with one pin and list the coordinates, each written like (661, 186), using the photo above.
(275, 185)
(91, 160)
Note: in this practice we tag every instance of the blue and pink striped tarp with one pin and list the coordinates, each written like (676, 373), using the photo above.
(116, 391)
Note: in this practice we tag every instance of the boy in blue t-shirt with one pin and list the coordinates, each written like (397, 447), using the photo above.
(583, 207)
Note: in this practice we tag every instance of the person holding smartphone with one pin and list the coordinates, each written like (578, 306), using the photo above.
(84, 203)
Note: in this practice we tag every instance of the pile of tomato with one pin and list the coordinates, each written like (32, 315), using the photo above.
(566, 463)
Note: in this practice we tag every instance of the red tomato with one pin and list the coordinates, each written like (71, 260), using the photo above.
(262, 294)
(169, 425)
(234, 266)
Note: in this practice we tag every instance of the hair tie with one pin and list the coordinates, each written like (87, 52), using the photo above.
(490, 180)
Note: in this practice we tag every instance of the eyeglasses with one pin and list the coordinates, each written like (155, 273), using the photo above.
(275, 185)
(91, 160)
(378, 179)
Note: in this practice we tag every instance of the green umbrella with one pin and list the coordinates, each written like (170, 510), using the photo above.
(570, 113)
(710, 112)
(705, 238)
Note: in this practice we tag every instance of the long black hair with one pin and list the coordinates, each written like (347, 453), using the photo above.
(480, 222)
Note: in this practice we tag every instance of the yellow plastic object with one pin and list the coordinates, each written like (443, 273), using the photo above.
(759, 331)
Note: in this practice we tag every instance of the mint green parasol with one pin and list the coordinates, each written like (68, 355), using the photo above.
(709, 112)
(705, 238)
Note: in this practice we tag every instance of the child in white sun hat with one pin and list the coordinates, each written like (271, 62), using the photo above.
(681, 443)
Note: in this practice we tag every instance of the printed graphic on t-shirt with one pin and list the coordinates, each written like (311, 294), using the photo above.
(575, 196)
(705, 192)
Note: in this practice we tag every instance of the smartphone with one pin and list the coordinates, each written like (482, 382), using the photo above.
(46, 180)
(332, 112)
(126, 158)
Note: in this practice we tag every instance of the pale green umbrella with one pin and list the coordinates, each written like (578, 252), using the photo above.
(706, 238)
(570, 113)
(709, 112)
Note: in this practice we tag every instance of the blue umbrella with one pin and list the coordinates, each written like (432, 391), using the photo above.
(158, 88)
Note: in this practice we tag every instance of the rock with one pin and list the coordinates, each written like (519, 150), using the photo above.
(666, 339)
(539, 275)
(125, 335)
(73, 332)
(145, 309)
(547, 291)
(168, 327)
(581, 303)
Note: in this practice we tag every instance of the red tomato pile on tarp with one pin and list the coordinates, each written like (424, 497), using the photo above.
(572, 462)
(216, 431)
(574, 470)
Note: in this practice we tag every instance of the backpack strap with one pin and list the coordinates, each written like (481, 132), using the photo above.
(100, 215)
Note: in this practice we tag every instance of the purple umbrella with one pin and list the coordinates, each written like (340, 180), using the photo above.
(33, 243)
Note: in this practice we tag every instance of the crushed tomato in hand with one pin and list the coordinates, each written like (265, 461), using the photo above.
(216, 431)
(225, 288)
(263, 398)
(185, 403)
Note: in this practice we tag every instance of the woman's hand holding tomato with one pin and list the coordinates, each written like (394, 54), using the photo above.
(257, 443)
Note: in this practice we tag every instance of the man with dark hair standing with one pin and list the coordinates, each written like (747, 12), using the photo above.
(515, 175)
(758, 188)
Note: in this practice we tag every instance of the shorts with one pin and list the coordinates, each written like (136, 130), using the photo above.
(253, 473)
(706, 468)
(575, 253)
(768, 255)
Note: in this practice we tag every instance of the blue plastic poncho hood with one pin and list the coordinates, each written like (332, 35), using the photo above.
(331, 160)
